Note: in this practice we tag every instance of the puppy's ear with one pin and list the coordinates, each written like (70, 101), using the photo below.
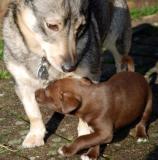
(70, 102)
(40, 96)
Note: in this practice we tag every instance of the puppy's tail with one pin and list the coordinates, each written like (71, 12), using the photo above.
(128, 63)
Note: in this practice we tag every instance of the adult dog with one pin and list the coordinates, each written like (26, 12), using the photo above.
(50, 39)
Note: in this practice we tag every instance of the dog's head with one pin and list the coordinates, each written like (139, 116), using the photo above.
(55, 27)
(59, 96)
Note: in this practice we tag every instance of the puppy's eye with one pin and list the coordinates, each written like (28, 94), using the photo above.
(53, 27)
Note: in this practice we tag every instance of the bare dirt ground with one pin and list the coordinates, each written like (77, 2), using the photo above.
(14, 124)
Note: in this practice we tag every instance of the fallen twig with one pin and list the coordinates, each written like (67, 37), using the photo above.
(7, 148)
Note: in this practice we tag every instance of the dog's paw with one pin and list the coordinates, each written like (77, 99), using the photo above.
(33, 140)
(66, 151)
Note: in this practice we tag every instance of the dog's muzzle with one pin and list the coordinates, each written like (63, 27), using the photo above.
(68, 67)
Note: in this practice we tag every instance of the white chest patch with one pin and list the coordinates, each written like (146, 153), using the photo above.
(83, 128)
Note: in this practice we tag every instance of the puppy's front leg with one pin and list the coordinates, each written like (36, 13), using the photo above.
(86, 141)
(37, 129)
(93, 152)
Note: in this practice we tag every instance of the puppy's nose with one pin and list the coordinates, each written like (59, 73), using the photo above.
(68, 67)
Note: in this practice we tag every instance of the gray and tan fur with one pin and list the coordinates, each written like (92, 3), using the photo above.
(70, 34)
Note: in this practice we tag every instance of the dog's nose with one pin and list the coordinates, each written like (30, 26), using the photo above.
(67, 67)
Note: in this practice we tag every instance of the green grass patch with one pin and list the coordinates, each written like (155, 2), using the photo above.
(4, 75)
(1, 49)
(141, 12)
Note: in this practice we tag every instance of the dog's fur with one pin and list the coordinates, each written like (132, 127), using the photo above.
(71, 35)
(105, 107)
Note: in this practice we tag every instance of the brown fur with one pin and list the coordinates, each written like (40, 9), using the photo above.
(105, 107)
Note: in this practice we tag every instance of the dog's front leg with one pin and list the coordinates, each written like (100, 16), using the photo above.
(37, 128)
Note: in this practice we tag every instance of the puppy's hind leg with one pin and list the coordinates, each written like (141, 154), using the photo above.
(141, 132)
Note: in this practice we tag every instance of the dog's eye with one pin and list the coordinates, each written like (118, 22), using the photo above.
(80, 30)
(53, 27)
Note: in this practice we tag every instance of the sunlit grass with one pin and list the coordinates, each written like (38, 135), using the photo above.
(3, 73)
(141, 12)
(1, 49)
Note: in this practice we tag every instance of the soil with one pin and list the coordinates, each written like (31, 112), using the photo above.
(14, 124)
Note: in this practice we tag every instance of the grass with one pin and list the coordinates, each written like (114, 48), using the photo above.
(1, 49)
(3, 73)
(137, 13)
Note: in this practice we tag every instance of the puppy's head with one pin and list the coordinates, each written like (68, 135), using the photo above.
(58, 99)
(56, 26)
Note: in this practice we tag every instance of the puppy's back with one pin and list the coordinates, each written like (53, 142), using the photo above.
(129, 92)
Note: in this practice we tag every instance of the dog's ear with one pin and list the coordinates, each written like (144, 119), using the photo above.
(70, 102)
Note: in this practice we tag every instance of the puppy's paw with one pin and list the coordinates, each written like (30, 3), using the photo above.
(60, 151)
(66, 151)
(33, 140)
(142, 140)
(90, 156)
(86, 157)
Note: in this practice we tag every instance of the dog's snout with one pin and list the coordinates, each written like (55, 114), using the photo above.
(68, 67)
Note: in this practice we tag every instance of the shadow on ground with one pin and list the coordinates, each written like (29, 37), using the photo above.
(153, 155)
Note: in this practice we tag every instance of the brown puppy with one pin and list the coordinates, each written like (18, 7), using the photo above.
(105, 107)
